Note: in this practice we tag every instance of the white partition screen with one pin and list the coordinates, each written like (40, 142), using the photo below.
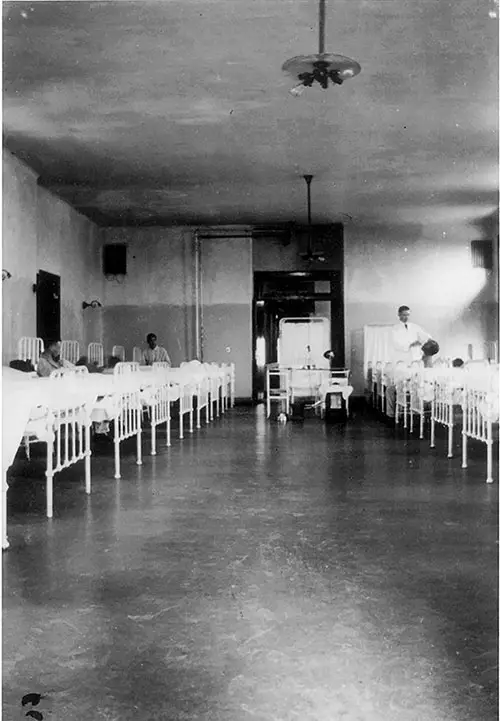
(378, 345)
(302, 341)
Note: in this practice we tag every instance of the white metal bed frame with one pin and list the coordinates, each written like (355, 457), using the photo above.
(29, 349)
(384, 380)
(280, 394)
(127, 421)
(480, 411)
(228, 386)
(378, 390)
(70, 350)
(232, 384)
(95, 353)
(186, 392)
(66, 431)
(202, 399)
(370, 386)
(402, 385)
(444, 389)
(416, 396)
(214, 389)
(137, 354)
(118, 351)
(160, 408)
(66, 427)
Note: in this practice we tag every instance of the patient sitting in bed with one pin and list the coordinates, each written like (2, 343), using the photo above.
(50, 360)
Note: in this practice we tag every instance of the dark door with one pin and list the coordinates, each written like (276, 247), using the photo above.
(48, 306)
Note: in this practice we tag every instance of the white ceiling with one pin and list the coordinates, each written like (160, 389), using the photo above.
(177, 111)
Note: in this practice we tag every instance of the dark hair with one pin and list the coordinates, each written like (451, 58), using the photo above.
(113, 360)
(50, 341)
(457, 363)
(151, 335)
(430, 347)
(402, 308)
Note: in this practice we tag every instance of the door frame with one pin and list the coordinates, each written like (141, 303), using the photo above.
(337, 311)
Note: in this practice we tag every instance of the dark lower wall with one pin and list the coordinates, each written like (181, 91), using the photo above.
(227, 334)
(128, 325)
(228, 339)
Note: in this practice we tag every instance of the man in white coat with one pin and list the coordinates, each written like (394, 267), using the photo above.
(408, 339)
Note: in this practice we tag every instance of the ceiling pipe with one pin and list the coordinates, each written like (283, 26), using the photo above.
(224, 237)
(308, 179)
(322, 27)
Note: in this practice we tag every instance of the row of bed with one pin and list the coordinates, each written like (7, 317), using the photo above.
(62, 410)
(464, 399)
(31, 349)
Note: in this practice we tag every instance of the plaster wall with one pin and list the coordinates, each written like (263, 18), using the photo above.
(42, 232)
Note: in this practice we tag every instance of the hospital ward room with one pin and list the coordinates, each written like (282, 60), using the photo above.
(250, 373)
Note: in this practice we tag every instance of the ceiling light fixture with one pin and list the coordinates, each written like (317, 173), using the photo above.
(322, 68)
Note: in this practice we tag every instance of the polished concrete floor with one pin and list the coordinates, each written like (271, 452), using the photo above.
(257, 572)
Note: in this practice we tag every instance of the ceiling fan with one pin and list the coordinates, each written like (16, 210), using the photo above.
(310, 253)
(322, 67)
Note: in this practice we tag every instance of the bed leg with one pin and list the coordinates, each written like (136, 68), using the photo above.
(88, 453)
(117, 458)
(450, 440)
(139, 447)
(5, 540)
(49, 474)
(153, 438)
(489, 451)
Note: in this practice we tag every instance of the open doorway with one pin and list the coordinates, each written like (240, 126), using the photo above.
(48, 305)
(280, 295)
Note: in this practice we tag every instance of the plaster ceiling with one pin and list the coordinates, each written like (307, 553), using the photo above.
(176, 111)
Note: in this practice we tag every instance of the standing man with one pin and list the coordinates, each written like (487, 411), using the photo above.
(407, 340)
(154, 353)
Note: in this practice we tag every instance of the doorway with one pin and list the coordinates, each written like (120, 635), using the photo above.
(280, 295)
(48, 306)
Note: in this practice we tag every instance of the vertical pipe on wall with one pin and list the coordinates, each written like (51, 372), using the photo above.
(197, 293)
(202, 329)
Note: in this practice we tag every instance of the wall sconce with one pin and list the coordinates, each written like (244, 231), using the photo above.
(92, 304)
(5, 274)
